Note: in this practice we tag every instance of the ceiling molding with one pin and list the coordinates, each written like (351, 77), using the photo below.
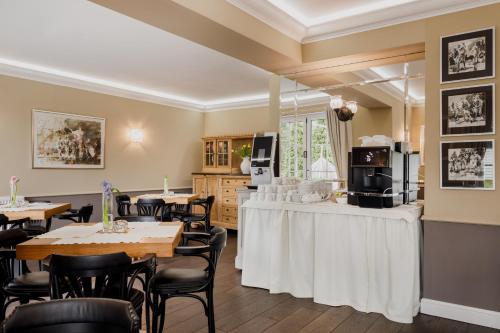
(325, 31)
(72, 80)
(282, 21)
(274, 17)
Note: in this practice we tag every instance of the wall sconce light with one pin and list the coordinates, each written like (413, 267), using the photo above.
(345, 110)
(136, 135)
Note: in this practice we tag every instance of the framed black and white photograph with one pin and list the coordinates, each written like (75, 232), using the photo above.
(468, 110)
(468, 56)
(468, 164)
(67, 141)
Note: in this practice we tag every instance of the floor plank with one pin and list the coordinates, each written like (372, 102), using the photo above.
(328, 320)
(241, 309)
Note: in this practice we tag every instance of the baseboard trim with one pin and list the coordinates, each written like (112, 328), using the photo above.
(459, 312)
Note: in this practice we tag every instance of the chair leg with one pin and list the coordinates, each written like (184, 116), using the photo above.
(155, 314)
(210, 314)
(162, 313)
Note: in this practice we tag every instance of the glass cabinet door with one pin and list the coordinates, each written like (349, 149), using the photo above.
(209, 154)
(223, 153)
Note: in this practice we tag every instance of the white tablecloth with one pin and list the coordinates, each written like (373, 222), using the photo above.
(336, 254)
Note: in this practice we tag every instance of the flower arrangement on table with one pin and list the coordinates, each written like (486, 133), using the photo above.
(243, 151)
(13, 191)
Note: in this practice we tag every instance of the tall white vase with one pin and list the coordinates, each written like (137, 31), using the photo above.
(245, 166)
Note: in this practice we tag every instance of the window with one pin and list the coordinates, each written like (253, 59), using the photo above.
(305, 147)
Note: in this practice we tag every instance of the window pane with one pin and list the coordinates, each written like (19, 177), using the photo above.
(292, 148)
(322, 166)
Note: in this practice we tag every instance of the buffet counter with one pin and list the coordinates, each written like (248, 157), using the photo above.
(336, 254)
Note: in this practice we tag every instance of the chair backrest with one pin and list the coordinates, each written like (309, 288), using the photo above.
(90, 276)
(136, 218)
(123, 203)
(217, 243)
(73, 315)
(8, 240)
(85, 213)
(12, 237)
(149, 207)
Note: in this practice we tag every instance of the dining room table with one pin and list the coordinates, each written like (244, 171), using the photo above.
(175, 198)
(141, 238)
(34, 210)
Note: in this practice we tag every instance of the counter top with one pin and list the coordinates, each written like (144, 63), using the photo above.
(220, 174)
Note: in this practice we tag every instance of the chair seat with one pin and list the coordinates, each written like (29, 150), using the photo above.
(179, 279)
(35, 230)
(36, 282)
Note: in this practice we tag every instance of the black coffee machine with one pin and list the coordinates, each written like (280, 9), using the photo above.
(376, 177)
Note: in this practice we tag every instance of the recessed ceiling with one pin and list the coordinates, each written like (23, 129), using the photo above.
(416, 87)
(311, 20)
(80, 41)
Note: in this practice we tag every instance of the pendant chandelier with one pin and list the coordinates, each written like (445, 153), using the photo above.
(345, 110)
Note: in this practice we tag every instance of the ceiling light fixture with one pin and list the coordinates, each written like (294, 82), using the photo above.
(345, 110)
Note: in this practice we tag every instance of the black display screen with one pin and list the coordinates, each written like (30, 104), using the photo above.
(374, 157)
(262, 146)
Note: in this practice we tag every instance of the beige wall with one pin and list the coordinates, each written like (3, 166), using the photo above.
(371, 122)
(416, 121)
(455, 205)
(238, 121)
(171, 145)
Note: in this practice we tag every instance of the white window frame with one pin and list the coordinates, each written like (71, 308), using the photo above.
(307, 144)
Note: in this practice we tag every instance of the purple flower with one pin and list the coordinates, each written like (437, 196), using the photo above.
(106, 189)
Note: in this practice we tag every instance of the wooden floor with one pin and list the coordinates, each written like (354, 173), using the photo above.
(241, 309)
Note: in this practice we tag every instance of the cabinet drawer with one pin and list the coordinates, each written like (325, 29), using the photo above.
(229, 211)
(229, 219)
(229, 191)
(229, 201)
(235, 182)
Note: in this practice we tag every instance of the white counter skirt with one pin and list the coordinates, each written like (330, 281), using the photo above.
(336, 254)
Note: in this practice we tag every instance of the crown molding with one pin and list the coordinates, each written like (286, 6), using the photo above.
(271, 15)
(285, 23)
(56, 77)
(325, 31)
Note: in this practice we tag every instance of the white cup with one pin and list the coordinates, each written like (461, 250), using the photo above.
(270, 197)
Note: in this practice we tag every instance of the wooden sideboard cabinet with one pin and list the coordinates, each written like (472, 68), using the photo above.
(217, 153)
(223, 187)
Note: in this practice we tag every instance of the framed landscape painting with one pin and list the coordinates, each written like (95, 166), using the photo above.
(67, 141)
(468, 110)
(468, 56)
(468, 164)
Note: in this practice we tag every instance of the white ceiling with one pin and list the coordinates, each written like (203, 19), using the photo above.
(83, 44)
(311, 20)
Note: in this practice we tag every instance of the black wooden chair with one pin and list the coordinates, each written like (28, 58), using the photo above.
(187, 282)
(25, 286)
(180, 212)
(204, 218)
(151, 207)
(123, 204)
(136, 218)
(83, 315)
(77, 215)
(100, 276)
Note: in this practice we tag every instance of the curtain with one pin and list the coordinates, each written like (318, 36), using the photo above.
(340, 135)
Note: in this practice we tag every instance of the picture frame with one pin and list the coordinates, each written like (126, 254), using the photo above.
(468, 56)
(67, 141)
(467, 165)
(468, 110)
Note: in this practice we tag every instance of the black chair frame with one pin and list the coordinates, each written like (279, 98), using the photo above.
(209, 251)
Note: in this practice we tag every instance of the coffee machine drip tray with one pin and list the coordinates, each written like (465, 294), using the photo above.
(375, 194)
(376, 199)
